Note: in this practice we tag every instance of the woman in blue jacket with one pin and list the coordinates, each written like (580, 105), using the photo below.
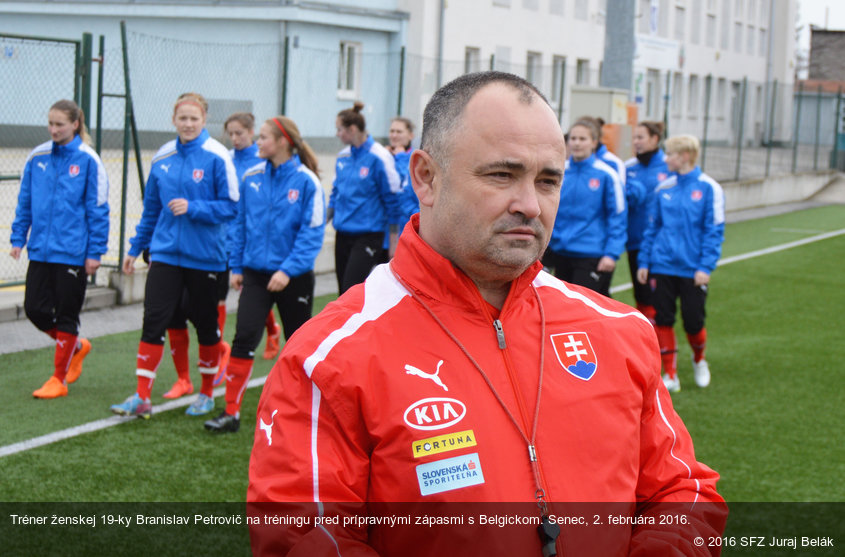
(63, 208)
(401, 135)
(679, 251)
(589, 231)
(192, 191)
(364, 201)
(645, 171)
(276, 238)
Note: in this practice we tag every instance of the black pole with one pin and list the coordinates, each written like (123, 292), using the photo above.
(741, 134)
(709, 84)
(797, 123)
(836, 122)
(818, 128)
(771, 126)
(100, 71)
(285, 75)
(401, 79)
(85, 72)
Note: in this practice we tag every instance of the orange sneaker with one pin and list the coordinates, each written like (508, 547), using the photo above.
(271, 350)
(74, 370)
(180, 388)
(225, 352)
(53, 388)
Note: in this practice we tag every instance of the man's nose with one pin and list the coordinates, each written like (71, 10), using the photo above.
(525, 199)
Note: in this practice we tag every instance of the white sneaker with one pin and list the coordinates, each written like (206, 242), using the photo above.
(672, 385)
(702, 373)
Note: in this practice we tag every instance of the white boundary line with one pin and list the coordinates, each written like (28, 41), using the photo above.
(106, 422)
(753, 254)
(258, 381)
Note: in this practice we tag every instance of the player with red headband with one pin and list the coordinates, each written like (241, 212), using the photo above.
(192, 191)
(280, 198)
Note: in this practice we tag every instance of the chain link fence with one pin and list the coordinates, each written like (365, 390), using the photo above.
(749, 130)
(36, 72)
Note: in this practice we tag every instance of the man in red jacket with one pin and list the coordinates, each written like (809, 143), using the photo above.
(460, 372)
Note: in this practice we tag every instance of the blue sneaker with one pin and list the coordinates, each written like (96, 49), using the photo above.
(202, 405)
(134, 406)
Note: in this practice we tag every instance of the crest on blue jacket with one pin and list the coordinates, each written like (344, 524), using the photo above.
(575, 353)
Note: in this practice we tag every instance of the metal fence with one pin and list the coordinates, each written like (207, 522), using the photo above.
(748, 129)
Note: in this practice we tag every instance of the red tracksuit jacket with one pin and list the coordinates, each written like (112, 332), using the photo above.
(373, 401)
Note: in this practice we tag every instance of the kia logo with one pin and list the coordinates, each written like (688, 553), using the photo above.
(435, 413)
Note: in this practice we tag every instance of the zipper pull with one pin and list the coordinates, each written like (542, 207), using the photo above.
(532, 453)
(500, 334)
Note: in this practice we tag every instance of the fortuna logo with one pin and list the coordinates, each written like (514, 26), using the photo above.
(293, 195)
(430, 414)
(73, 170)
(364, 172)
(198, 174)
(74, 272)
(411, 370)
(42, 166)
(254, 185)
(696, 195)
(268, 428)
(594, 183)
(575, 354)
(165, 167)
(443, 443)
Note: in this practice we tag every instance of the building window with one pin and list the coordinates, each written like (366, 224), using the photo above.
(738, 37)
(502, 3)
(581, 9)
(752, 8)
(695, 21)
(721, 94)
(749, 41)
(644, 17)
(472, 59)
(710, 31)
(533, 69)
(677, 93)
(558, 79)
(349, 70)
(711, 6)
(653, 84)
(533, 5)
(663, 19)
(764, 11)
(582, 72)
(556, 7)
(692, 96)
(764, 46)
(680, 22)
(738, 9)
(725, 43)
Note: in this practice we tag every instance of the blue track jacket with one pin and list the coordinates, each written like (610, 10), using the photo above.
(244, 159)
(365, 196)
(642, 181)
(687, 226)
(591, 218)
(64, 200)
(614, 162)
(281, 219)
(202, 172)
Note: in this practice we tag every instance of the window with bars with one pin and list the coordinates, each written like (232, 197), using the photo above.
(349, 70)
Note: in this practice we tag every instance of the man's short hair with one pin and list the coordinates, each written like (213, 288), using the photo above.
(443, 112)
(684, 144)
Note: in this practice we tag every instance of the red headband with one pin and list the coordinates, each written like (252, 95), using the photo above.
(284, 133)
(189, 101)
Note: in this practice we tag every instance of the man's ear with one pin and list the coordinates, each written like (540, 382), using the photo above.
(423, 170)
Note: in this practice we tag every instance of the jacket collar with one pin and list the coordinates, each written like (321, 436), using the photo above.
(433, 276)
(365, 146)
(287, 167)
(193, 144)
(579, 165)
(70, 146)
(691, 175)
(247, 152)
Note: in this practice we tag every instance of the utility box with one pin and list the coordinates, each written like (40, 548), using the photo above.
(609, 104)
(612, 106)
